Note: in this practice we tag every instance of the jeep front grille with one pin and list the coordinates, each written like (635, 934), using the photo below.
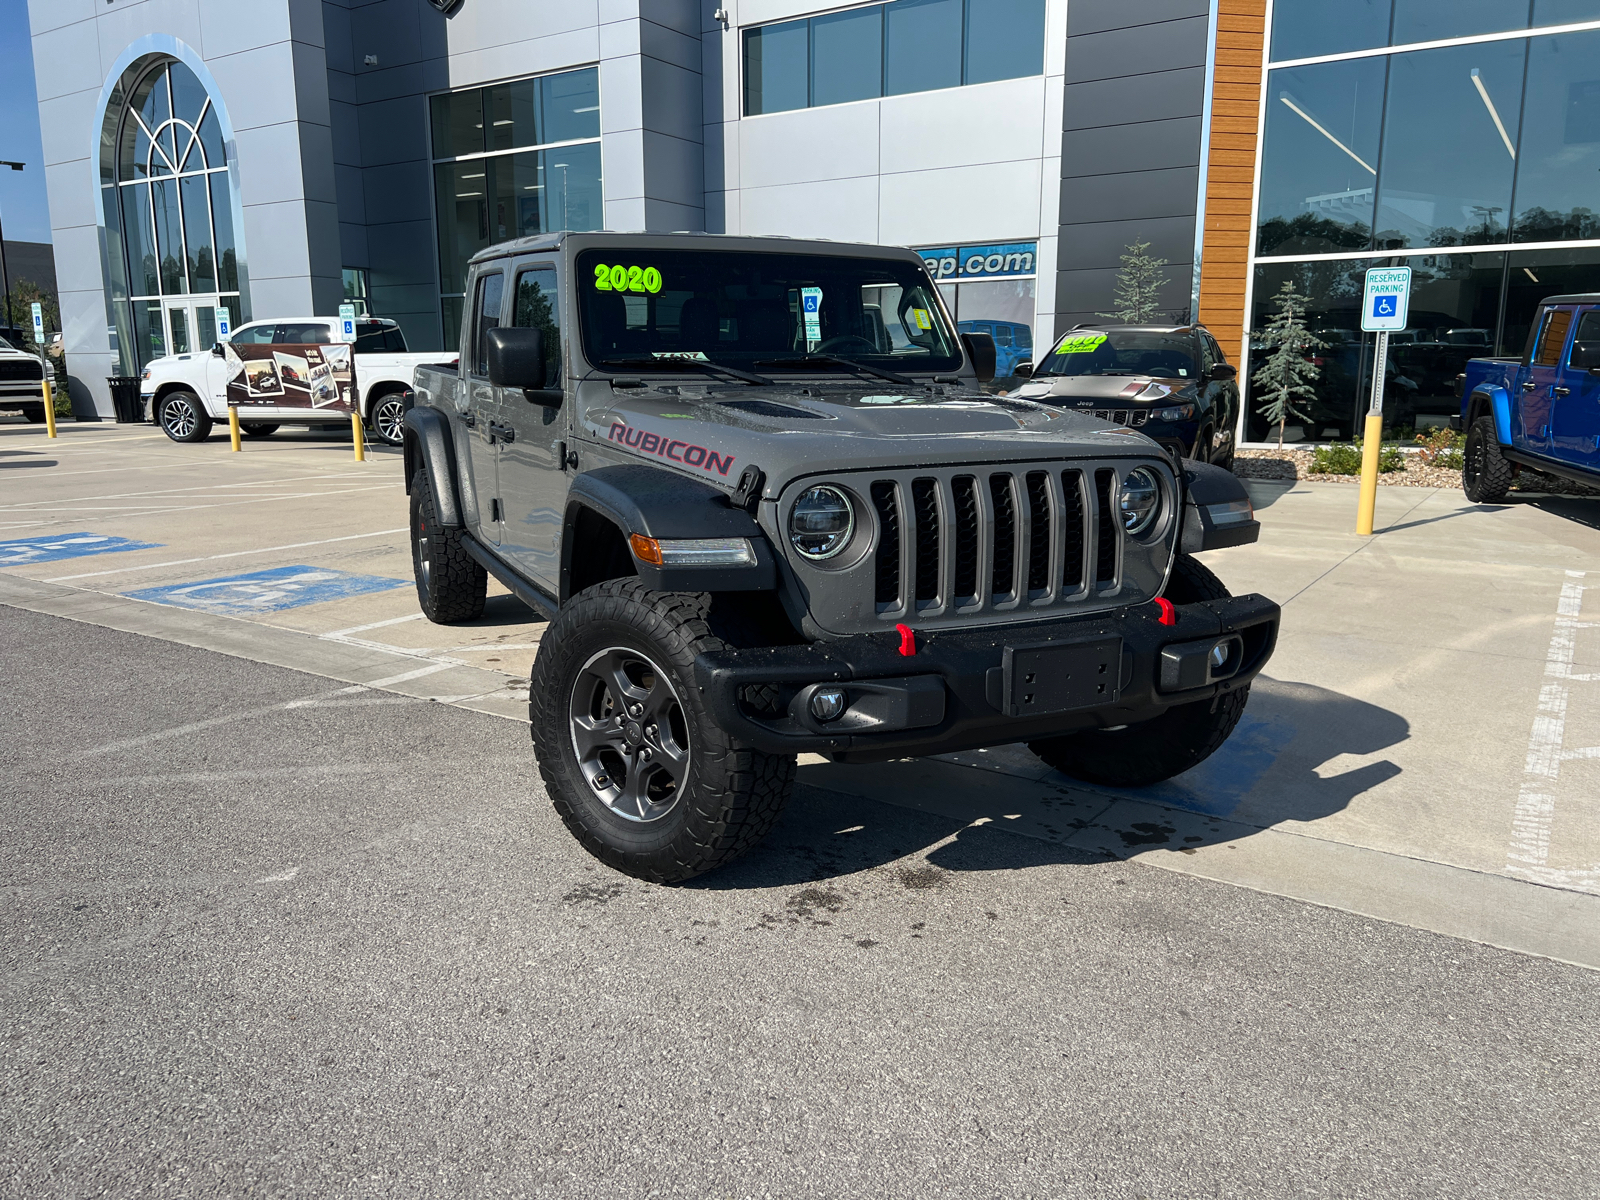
(986, 543)
(1132, 417)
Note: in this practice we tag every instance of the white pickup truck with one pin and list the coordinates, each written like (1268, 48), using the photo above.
(187, 392)
(21, 382)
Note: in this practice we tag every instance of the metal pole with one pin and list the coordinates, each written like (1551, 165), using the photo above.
(1372, 440)
(4, 273)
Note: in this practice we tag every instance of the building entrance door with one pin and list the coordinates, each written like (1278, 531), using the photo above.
(191, 324)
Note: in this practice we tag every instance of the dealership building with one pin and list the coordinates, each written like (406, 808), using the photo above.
(281, 157)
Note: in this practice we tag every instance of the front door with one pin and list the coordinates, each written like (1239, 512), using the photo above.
(1544, 376)
(1575, 412)
(191, 325)
(480, 407)
(532, 481)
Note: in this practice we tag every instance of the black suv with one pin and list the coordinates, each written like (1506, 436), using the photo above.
(1170, 382)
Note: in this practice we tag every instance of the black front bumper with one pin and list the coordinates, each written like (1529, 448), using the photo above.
(964, 690)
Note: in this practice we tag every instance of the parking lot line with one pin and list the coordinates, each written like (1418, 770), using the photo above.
(178, 562)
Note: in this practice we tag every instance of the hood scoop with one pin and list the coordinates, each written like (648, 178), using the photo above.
(769, 408)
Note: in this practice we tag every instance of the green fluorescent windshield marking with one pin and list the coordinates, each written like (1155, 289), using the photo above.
(1084, 343)
(609, 278)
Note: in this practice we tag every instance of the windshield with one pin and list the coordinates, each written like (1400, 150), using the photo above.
(1122, 352)
(5, 344)
(763, 311)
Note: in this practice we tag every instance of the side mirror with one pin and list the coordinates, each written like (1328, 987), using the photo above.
(1023, 370)
(1222, 371)
(980, 349)
(1585, 355)
(516, 358)
(217, 350)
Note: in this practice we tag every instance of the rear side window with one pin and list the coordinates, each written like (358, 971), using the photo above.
(304, 333)
(253, 335)
(1552, 338)
(1588, 335)
(373, 338)
(485, 316)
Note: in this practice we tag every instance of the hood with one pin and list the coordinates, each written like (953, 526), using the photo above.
(715, 431)
(1108, 390)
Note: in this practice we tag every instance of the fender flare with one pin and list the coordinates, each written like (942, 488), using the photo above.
(1212, 518)
(429, 447)
(1498, 404)
(667, 506)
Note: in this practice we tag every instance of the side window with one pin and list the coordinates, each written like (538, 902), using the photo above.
(253, 335)
(1586, 342)
(1217, 356)
(1002, 335)
(304, 333)
(538, 306)
(485, 316)
(1025, 337)
(372, 337)
(1552, 338)
(1208, 358)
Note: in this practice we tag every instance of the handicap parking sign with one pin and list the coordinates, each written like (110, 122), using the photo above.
(1387, 299)
(20, 552)
(267, 591)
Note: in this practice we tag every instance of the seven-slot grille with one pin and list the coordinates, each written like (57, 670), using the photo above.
(1132, 417)
(964, 541)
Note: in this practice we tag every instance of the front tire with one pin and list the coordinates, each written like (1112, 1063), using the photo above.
(389, 418)
(451, 585)
(1485, 473)
(183, 418)
(1182, 737)
(634, 761)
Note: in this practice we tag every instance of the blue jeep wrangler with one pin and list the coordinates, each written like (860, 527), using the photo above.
(1540, 411)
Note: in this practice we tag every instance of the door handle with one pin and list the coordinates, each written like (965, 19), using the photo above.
(504, 432)
(1561, 391)
(470, 420)
(1529, 386)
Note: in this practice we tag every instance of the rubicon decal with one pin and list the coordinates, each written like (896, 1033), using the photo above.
(687, 453)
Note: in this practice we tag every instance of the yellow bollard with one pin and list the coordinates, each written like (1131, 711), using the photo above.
(233, 426)
(49, 410)
(356, 438)
(1372, 443)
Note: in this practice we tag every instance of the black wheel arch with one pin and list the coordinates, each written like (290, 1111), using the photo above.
(430, 447)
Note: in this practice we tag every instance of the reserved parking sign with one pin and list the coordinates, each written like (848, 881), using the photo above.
(1386, 301)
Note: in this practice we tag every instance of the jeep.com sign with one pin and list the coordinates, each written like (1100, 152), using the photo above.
(1000, 261)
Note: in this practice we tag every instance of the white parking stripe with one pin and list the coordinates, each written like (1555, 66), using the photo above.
(1535, 812)
(178, 562)
(340, 633)
(409, 675)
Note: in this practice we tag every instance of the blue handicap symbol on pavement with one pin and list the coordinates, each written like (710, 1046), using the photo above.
(21, 552)
(267, 591)
(1383, 306)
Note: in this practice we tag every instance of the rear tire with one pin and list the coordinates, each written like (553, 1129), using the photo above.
(1180, 738)
(451, 585)
(1485, 473)
(635, 763)
(389, 418)
(34, 413)
(183, 418)
(258, 429)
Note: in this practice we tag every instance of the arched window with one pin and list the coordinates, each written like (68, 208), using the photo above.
(168, 202)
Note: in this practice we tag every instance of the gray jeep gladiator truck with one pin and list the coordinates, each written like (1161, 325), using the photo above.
(758, 492)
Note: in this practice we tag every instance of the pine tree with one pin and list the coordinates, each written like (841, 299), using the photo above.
(1139, 283)
(1289, 373)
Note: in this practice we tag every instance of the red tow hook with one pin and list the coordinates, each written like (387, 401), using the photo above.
(908, 641)
(1169, 615)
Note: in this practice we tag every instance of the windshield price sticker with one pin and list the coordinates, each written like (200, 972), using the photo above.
(626, 279)
(811, 309)
(1083, 343)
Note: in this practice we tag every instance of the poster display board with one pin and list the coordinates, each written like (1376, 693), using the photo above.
(291, 376)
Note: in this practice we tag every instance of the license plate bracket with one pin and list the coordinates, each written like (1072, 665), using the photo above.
(1055, 677)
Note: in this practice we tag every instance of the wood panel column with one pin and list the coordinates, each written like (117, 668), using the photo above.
(1230, 173)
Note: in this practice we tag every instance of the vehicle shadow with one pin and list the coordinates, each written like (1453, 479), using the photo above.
(1581, 510)
(1003, 809)
(504, 609)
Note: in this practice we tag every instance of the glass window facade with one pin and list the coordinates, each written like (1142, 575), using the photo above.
(168, 204)
(890, 50)
(512, 160)
(1477, 165)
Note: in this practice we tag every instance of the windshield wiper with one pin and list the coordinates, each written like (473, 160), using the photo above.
(697, 364)
(845, 362)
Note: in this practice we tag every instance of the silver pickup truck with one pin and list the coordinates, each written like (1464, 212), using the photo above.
(756, 488)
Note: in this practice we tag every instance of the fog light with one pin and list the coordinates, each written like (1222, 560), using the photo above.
(1219, 656)
(827, 704)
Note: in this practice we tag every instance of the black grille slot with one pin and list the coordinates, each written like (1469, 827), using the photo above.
(888, 562)
(1038, 531)
(16, 368)
(1105, 567)
(925, 500)
(1072, 530)
(965, 488)
(1005, 536)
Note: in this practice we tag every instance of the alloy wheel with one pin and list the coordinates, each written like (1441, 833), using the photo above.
(389, 419)
(630, 734)
(178, 417)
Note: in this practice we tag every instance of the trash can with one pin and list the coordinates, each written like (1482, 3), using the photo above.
(125, 399)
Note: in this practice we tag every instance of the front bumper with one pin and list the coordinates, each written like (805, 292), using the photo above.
(967, 689)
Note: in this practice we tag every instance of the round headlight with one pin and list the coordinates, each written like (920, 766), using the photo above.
(821, 522)
(1140, 500)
